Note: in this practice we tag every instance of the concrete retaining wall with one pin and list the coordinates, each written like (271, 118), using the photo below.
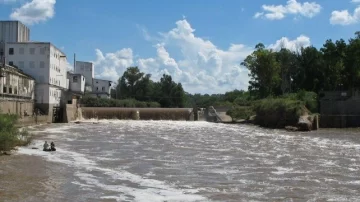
(339, 121)
(70, 113)
(28, 121)
(131, 113)
(16, 107)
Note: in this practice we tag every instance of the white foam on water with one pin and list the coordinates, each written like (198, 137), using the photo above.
(151, 190)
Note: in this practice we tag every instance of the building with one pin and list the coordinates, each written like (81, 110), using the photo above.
(44, 62)
(16, 91)
(76, 83)
(101, 88)
(87, 70)
(12, 31)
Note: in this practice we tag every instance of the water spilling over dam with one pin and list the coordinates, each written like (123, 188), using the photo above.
(200, 161)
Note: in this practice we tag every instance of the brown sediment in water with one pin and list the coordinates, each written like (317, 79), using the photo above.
(23, 178)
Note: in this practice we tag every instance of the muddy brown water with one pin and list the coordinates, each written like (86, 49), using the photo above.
(192, 161)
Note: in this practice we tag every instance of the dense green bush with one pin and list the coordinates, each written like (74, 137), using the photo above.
(240, 112)
(278, 112)
(105, 102)
(310, 99)
(10, 136)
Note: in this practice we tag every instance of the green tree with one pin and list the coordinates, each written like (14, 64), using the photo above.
(134, 84)
(352, 64)
(288, 63)
(309, 74)
(334, 55)
(264, 71)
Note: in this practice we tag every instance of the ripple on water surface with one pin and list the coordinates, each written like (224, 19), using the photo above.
(200, 161)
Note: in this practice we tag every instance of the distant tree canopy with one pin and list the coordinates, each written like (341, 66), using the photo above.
(335, 66)
(134, 84)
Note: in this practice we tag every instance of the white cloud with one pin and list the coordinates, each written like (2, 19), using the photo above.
(343, 17)
(278, 12)
(355, 1)
(293, 45)
(202, 67)
(34, 12)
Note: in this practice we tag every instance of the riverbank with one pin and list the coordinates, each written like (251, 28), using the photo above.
(29, 177)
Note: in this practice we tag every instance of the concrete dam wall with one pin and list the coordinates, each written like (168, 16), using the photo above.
(137, 113)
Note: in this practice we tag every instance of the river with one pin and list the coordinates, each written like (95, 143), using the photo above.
(200, 161)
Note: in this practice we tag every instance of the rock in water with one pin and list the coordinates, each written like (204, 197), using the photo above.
(304, 124)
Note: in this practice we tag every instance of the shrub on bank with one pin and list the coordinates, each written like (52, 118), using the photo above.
(310, 99)
(278, 112)
(10, 136)
(105, 102)
(240, 112)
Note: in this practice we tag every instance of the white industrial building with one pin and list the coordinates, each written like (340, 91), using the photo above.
(16, 91)
(86, 69)
(101, 88)
(76, 83)
(46, 63)
(95, 87)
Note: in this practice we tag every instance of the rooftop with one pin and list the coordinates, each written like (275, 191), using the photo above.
(15, 70)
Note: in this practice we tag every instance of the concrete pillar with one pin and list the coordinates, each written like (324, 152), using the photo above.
(135, 115)
(315, 123)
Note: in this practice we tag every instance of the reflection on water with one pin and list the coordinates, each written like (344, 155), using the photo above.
(200, 161)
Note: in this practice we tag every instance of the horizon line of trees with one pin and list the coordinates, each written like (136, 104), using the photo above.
(335, 66)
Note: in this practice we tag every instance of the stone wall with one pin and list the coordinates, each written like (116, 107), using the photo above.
(16, 107)
(33, 120)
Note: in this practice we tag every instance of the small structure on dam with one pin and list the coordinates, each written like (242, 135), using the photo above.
(339, 109)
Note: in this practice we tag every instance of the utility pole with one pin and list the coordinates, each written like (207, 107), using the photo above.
(74, 62)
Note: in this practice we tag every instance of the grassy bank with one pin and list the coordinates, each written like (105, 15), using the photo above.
(276, 112)
(10, 135)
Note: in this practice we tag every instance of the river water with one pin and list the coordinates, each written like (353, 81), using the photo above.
(201, 161)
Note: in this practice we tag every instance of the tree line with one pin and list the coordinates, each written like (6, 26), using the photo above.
(335, 66)
(134, 84)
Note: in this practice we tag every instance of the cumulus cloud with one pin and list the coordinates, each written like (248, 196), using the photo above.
(34, 12)
(344, 17)
(202, 67)
(293, 45)
(278, 12)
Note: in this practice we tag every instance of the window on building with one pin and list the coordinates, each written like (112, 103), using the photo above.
(11, 51)
(97, 88)
(103, 89)
(1, 52)
(21, 51)
(42, 51)
(42, 64)
(32, 64)
(10, 90)
(4, 89)
(32, 51)
(75, 79)
(11, 63)
(15, 91)
(21, 64)
(41, 79)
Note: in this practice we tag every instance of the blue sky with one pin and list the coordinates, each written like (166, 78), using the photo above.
(200, 43)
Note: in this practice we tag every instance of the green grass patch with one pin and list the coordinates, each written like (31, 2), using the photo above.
(10, 135)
